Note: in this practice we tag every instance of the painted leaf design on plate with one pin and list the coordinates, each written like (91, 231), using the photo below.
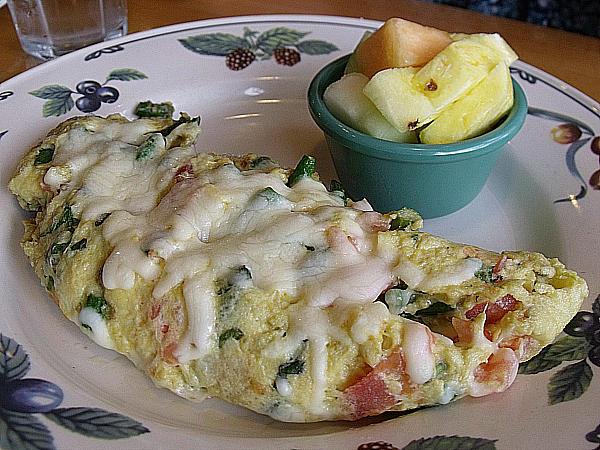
(125, 75)
(96, 422)
(23, 431)
(14, 361)
(539, 363)
(59, 99)
(569, 382)
(316, 47)
(215, 44)
(451, 443)
(278, 37)
(568, 348)
(596, 306)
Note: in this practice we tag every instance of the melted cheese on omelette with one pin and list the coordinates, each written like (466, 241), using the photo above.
(220, 275)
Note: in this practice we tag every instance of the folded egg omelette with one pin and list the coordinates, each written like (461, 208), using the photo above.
(231, 277)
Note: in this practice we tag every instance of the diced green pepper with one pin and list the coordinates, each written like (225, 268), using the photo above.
(305, 168)
(434, 309)
(158, 110)
(294, 367)
(79, 245)
(406, 219)
(337, 188)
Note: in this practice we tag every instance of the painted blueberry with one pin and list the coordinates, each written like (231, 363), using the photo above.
(583, 324)
(88, 87)
(87, 103)
(107, 94)
(30, 395)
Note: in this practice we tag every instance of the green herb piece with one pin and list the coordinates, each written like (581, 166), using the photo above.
(406, 219)
(58, 248)
(86, 326)
(65, 218)
(50, 284)
(99, 305)
(79, 245)
(44, 156)
(232, 333)
(151, 146)
(294, 367)
(305, 168)
(158, 110)
(486, 274)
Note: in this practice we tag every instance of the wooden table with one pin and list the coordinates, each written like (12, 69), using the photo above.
(573, 58)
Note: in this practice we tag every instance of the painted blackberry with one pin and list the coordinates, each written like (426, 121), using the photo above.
(379, 445)
(239, 59)
(286, 56)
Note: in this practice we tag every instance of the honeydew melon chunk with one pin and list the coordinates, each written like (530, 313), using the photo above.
(347, 102)
(395, 96)
(475, 113)
(399, 43)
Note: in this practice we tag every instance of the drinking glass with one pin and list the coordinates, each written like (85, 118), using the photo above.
(50, 28)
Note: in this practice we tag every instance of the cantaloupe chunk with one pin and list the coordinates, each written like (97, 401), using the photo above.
(475, 113)
(399, 43)
(347, 102)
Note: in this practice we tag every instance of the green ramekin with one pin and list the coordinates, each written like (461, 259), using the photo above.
(435, 180)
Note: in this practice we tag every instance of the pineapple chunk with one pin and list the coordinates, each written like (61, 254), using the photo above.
(475, 113)
(446, 78)
(493, 40)
(346, 101)
(399, 43)
(394, 94)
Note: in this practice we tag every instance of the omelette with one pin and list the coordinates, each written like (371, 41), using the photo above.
(231, 277)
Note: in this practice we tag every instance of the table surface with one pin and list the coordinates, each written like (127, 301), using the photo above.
(573, 58)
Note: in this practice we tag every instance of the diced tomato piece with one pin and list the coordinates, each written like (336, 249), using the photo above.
(496, 374)
(371, 395)
(476, 310)
(184, 172)
(500, 264)
(495, 311)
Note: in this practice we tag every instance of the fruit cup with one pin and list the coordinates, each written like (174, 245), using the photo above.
(433, 179)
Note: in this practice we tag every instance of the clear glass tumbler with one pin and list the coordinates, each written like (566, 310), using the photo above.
(50, 28)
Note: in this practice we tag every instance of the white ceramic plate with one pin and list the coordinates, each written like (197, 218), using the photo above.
(262, 108)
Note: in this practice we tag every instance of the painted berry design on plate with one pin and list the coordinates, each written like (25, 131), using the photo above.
(436, 442)
(284, 45)
(21, 398)
(575, 134)
(91, 93)
(581, 344)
